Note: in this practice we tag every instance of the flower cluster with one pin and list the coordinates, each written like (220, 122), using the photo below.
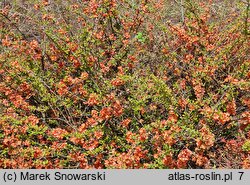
(124, 84)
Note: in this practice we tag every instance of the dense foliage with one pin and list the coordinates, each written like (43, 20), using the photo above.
(124, 84)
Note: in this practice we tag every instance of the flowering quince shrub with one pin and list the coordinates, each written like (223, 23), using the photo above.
(124, 84)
